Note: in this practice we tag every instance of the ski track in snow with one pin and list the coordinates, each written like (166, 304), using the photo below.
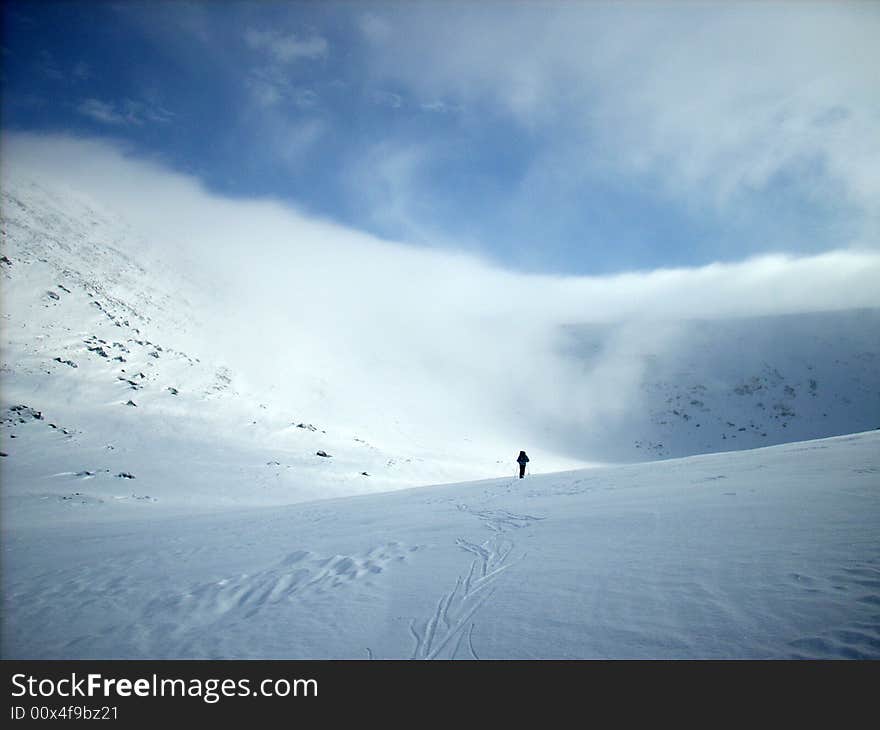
(500, 520)
(442, 634)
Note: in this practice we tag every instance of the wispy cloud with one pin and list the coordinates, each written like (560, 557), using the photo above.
(374, 28)
(49, 67)
(286, 47)
(101, 111)
(270, 87)
(269, 81)
(387, 98)
(82, 71)
(439, 107)
(265, 92)
(712, 105)
(126, 112)
(387, 182)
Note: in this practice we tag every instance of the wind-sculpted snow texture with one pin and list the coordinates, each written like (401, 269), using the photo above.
(770, 553)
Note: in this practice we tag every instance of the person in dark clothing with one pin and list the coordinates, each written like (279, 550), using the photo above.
(522, 460)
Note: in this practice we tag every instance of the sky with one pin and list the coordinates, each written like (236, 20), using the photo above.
(558, 139)
(395, 212)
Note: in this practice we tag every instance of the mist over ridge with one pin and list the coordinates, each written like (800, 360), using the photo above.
(448, 350)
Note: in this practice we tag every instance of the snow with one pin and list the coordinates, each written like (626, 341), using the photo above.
(158, 502)
(770, 553)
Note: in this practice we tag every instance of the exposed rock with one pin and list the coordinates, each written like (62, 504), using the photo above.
(22, 411)
(131, 403)
(324, 454)
(125, 475)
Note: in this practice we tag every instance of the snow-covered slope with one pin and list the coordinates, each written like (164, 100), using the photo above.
(770, 553)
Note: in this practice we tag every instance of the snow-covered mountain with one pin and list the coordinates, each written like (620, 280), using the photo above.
(161, 499)
(117, 393)
(740, 383)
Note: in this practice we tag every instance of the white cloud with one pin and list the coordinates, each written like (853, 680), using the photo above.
(711, 102)
(286, 48)
(349, 325)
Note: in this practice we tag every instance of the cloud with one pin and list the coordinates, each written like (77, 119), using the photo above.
(82, 71)
(269, 87)
(101, 111)
(387, 98)
(286, 48)
(292, 139)
(715, 106)
(439, 107)
(413, 342)
(373, 28)
(128, 112)
(265, 92)
(48, 66)
(388, 183)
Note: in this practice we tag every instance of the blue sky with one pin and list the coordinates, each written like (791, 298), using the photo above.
(573, 138)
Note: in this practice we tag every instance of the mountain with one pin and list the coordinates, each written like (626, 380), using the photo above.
(740, 383)
(182, 477)
(124, 384)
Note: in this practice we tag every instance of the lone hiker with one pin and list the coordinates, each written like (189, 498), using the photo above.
(522, 460)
